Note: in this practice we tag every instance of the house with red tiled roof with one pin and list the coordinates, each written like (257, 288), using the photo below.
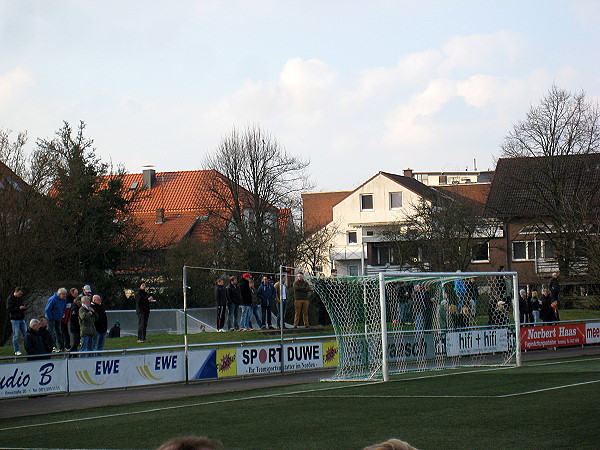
(174, 205)
(362, 217)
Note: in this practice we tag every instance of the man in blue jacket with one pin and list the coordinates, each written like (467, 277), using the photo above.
(55, 310)
(266, 293)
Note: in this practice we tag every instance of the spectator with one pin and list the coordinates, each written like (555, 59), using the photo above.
(101, 323)
(301, 290)
(554, 286)
(16, 313)
(115, 331)
(221, 301)
(142, 308)
(32, 341)
(87, 318)
(404, 294)
(535, 305)
(501, 314)
(86, 291)
(552, 315)
(233, 304)
(523, 307)
(74, 324)
(45, 335)
(281, 299)
(419, 306)
(55, 311)
(461, 291)
(65, 321)
(246, 302)
(266, 293)
(472, 295)
(254, 307)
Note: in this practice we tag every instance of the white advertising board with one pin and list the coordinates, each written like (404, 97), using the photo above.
(33, 377)
(592, 333)
(126, 370)
(267, 358)
(477, 342)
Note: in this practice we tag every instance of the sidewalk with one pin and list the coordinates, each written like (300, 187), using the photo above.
(56, 403)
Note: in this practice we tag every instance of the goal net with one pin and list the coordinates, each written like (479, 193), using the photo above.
(399, 322)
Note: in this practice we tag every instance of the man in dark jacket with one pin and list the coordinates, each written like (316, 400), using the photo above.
(221, 301)
(266, 293)
(33, 341)
(55, 311)
(45, 335)
(142, 307)
(523, 307)
(101, 322)
(16, 313)
(554, 286)
(233, 303)
(74, 324)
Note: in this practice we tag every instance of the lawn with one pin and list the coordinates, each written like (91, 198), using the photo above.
(537, 406)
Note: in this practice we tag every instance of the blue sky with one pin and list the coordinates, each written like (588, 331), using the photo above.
(355, 87)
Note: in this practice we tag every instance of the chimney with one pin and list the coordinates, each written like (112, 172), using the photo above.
(148, 176)
(408, 173)
(160, 216)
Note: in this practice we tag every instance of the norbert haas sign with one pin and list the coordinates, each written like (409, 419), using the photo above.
(267, 358)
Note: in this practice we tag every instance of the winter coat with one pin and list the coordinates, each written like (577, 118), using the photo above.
(55, 307)
(87, 318)
(266, 293)
(74, 321)
(245, 292)
(301, 290)
(233, 293)
(47, 339)
(33, 343)
(101, 323)
(220, 295)
(554, 288)
(13, 307)
(142, 302)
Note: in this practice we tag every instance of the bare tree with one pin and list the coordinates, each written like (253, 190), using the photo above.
(258, 179)
(559, 183)
(313, 249)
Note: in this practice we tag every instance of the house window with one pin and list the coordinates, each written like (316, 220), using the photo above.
(366, 202)
(369, 233)
(352, 237)
(481, 252)
(395, 200)
(353, 271)
(528, 250)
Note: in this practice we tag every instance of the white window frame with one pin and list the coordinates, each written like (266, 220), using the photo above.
(476, 261)
(391, 203)
(348, 233)
(528, 257)
(372, 202)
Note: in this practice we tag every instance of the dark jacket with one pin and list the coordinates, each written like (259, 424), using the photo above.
(74, 321)
(220, 295)
(47, 339)
(101, 323)
(55, 308)
(523, 305)
(301, 290)
(233, 293)
(554, 288)
(33, 343)
(266, 293)
(13, 305)
(115, 332)
(245, 292)
(142, 304)
(546, 301)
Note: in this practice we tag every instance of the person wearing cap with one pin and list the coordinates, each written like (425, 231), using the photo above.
(246, 295)
(115, 331)
(55, 310)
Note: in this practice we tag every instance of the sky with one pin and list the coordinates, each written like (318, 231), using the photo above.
(354, 87)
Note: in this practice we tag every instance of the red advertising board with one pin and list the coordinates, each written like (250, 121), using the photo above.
(552, 336)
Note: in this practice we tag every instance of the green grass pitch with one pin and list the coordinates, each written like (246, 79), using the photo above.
(553, 404)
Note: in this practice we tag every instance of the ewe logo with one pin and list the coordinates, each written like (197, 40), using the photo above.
(84, 377)
(144, 372)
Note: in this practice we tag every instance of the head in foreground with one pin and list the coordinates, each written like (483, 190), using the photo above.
(391, 444)
(191, 443)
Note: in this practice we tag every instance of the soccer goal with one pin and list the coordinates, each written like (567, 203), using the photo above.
(399, 322)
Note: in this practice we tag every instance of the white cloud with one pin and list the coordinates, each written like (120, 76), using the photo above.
(13, 84)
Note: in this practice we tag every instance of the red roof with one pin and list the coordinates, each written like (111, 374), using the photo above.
(188, 200)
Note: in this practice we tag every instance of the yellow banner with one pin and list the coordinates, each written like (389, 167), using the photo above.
(226, 366)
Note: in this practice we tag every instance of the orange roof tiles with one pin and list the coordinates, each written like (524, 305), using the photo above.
(318, 208)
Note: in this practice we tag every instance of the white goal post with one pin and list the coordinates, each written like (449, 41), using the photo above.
(396, 322)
